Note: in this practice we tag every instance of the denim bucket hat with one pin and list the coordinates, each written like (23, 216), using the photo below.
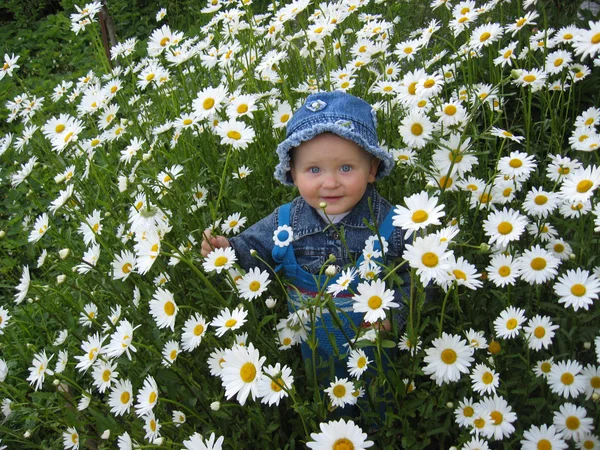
(336, 112)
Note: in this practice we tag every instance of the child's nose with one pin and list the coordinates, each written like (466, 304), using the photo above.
(330, 180)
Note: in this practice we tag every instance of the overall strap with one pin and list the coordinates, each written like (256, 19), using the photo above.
(385, 231)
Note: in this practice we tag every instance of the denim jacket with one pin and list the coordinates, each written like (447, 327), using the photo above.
(314, 239)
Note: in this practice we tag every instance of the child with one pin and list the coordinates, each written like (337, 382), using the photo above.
(331, 154)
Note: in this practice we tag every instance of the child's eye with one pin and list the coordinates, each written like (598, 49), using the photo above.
(314, 170)
(346, 168)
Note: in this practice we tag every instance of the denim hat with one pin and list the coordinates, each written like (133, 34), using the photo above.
(335, 112)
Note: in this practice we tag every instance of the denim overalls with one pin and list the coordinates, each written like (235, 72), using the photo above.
(304, 286)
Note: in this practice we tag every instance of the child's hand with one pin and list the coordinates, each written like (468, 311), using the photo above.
(210, 242)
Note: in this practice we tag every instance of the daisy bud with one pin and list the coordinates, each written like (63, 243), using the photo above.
(30, 300)
(29, 345)
(595, 397)
(270, 302)
(331, 258)
(322, 205)
(61, 279)
(61, 386)
(453, 448)
(494, 347)
(450, 405)
(516, 73)
(158, 441)
(56, 382)
(215, 406)
(572, 256)
(2, 234)
(147, 156)
(484, 247)
(107, 214)
(64, 253)
(27, 434)
(105, 435)
(587, 345)
(331, 271)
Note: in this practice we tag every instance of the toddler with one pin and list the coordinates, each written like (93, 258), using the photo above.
(331, 154)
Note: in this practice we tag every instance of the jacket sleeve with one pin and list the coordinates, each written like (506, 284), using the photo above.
(258, 237)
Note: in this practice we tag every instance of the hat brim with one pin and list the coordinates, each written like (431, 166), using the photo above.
(282, 171)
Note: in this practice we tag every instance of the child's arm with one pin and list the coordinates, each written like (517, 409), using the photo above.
(210, 242)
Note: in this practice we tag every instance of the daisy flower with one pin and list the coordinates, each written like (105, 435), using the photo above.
(504, 226)
(581, 184)
(577, 288)
(233, 223)
(560, 167)
(448, 357)
(501, 414)
(4, 318)
(476, 339)
(147, 397)
(104, 373)
(170, 352)
(571, 421)
(591, 376)
(193, 332)
(121, 339)
(92, 349)
(241, 373)
(484, 35)
(565, 379)
(416, 129)
(543, 436)
(588, 442)
(527, 19)
(229, 320)
(557, 61)
(163, 308)
(465, 413)
(484, 379)
(537, 265)
(179, 418)
(510, 321)
(463, 273)
(151, 427)
(39, 369)
(374, 299)
(282, 115)
(543, 367)
(23, 286)
(219, 259)
(71, 438)
(560, 248)
(420, 212)
(339, 434)
(539, 203)
(253, 284)
(429, 257)
(409, 345)
(507, 54)
(209, 101)
(215, 362)
(39, 228)
(517, 165)
(357, 363)
(274, 383)
(197, 442)
(587, 42)
(237, 134)
(340, 392)
(539, 332)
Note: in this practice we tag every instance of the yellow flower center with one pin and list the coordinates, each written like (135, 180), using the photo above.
(106, 375)
(169, 308)
(544, 444)
(558, 62)
(538, 263)
(220, 261)
(164, 41)
(511, 323)
(455, 156)
(484, 37)
(584, 186)
(463, 19)
(208, 103)
(287, 341)
(125, 396)
(375, 302)
(504, 228)
(572, 422)
(276, 384)
(339, 391)
(173, 355)
(74, 438)
(429, 259)
(504, 271)
(68, 136)
(152, 397)
(386, 88)
(254, 286)
(589, 121)
(529, 78)
(450, 110)
(343, 444)
(362, 362)
(150, 77)
(496, 417)
(595, 382)
(546, 367)
(485, 198)
(521, 22)
(596, 39)
(449, 356)
(242, 109)
(198, 330)
(515, 163)
(429, 83)
(420, 216)
(540, 200)
(230, 323)
(578, 290)
(487, 378)
(468, 411)
(92, 353)
(416, 129)
(412, 88)
(568, 36)
(234, 135)
(285, 118)
(459, 274)
(563, 170)
(507, 54)
(126, 268)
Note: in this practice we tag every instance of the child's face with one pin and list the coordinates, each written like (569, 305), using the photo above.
(333, 170)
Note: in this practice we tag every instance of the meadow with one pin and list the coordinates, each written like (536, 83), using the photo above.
(116, 333)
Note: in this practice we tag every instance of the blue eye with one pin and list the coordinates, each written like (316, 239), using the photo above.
(346, 168)
(314, 170)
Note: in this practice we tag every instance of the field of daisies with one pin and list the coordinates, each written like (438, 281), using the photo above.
(116, 333)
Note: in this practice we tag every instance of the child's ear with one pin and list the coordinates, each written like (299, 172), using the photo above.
(373, 170)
